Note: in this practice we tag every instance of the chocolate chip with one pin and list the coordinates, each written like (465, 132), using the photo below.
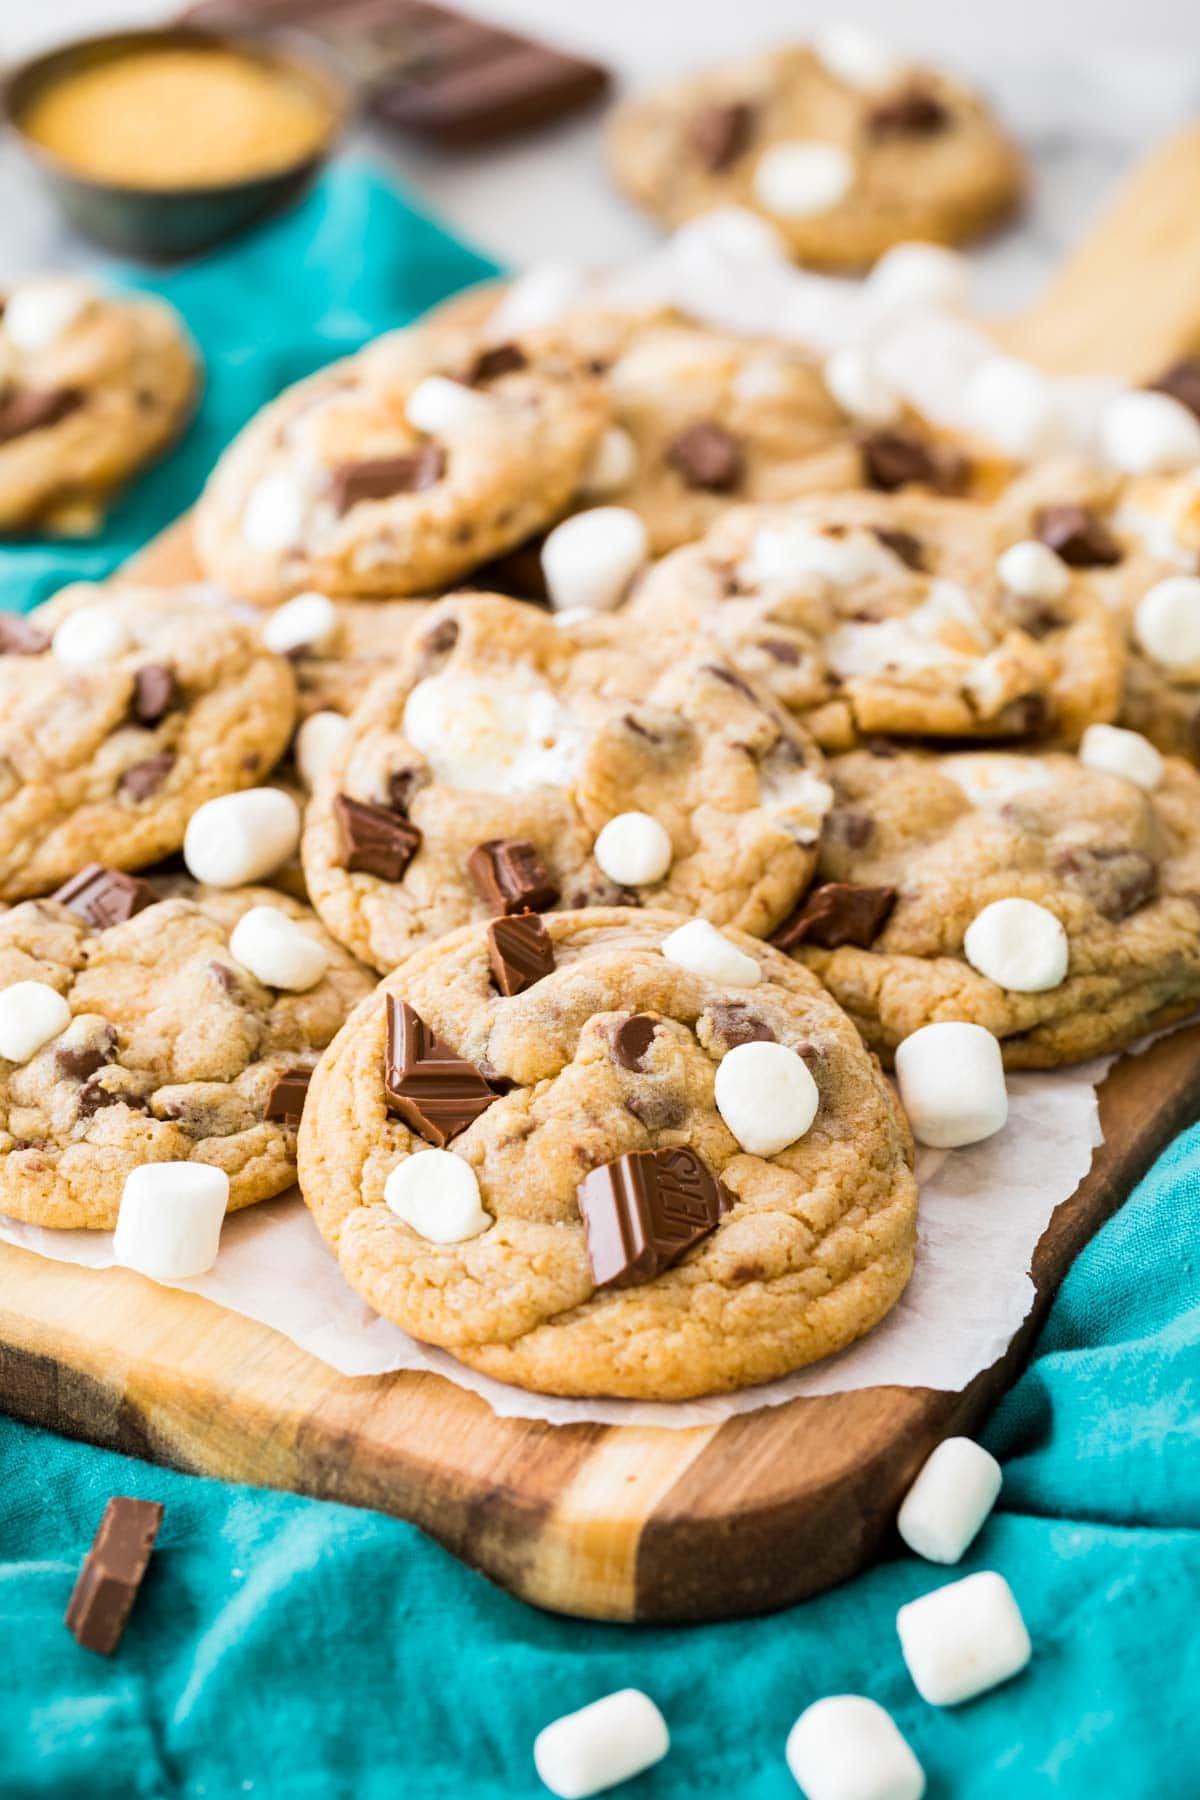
(1027, 716)
(1037, 618)
(734, 1024)
(77, 1062)
(155, 692)
(895, 459)
(849, 829)
(374, 839)
(708, 457)
(718, 134)
(632, 1038)
(837, 913)
(1182, 382)
(435, 1092)
(644, 1210)
(780, 651)
(1117, 882)
(19, 638)
(510, 876)
(30, 410)
(383, 476)
(1078, 535)
(93, 1097)
(914, 113)
(144, 779)
(496, 360)
(520, 951)
(903, 544)
(102, 897)
(437, 644)
(656, 1110)
(285, 1102)
(112, 1573)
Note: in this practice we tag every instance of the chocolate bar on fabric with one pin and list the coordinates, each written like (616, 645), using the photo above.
(112, 1573)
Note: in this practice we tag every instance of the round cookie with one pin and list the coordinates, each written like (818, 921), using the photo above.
(843, 162)
(146, 707)
(479, 777)
(917, 847)
(333, 486)
(173, 1051)
(91, 388)
(614, 1052)
(871, 613)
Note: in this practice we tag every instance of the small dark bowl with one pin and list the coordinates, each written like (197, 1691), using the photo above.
(167, 223)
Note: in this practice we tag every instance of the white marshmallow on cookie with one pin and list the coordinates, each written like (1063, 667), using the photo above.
(31, 1014)
(701, 948)
(1145, 433)
(1166, 622)
(1013, 405)
(1119, 752)
(860, 387)
(613, 467)
(1033, 571)
(240, 838)
(90, 636)
(917, 274)
(591, 558)
(851, 53)
(318, 740)
(633, 850)
(1019, 945)
(274, 513)
(437, 1194)
(846, 1747)
(169, 1225)
(39, 312)
(308, 622)
(485, 736)
(766, 1095)
(951, 1080)
(610, 1741)
(944, 1509)
(440, 407)
(795, 180)
(962, 1639)
(277, 951)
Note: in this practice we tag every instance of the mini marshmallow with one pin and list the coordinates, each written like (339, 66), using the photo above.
(1012, 404)
(318, 741)
(781, 555)
(962, 1639)
(633, 849)
(613, 467)
(1120, 752)
(440, 406)
(1167, 621)
(590, 559)
(38, 313)
(797, 179)
(90, 636)
(277, 951)
(951, 1080)
(919, 275)
(1019, 945)
(946, 1505)
(1033, 571)
(238, 838)
(733, 231)
(766, 1096)
(273, 515)
(169, 1225)
(860, 387)
(609, 1741)
(852, 54)
(306, 623)
(437, 1194)
(31, 1013)
(704, 950)
(1149, 434)
(847, 1747)
(538, 297)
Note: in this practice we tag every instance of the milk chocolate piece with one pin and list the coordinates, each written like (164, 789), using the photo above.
(19, 638)
(904, 544)
(913, 113)
(1116, 881)
(895, 459)
(112, 1573)
(510, 876)
(435, 1092)
(380, 478)
(644, 1210)
(708, 457)
(143, 779)
(520, 951)
(1078, 535)
(102, 897)
(493, 361)
(285, 1102)
(375, 840)
(1182, 382)
(30, 410)
(735, 1024)
(155, 692)
(719, 133)
(632, 1039)
(838, 913)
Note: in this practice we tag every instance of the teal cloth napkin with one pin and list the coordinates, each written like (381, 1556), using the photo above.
(291, 1650)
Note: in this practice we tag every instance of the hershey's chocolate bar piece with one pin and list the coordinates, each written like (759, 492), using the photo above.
(511, 877)
(285, 1102)
(155, 692)
(104, 897)
(375, 840)
(520, 951)
(708, 457)
(1182, 382)
(435, 1092)
(19, 638)
(29, 409)
(387, 475)
(142, 780)
(838, 913)
(644, 1210)
(1078, 535)
(112, 1573)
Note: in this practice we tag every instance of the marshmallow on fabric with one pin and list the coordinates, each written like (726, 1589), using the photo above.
(847, 1747)
(239, 838)
(962, 1639)
(169, 1225)
(945, 1507)
(766, 1095)
(609, 1741)
(951, 1080)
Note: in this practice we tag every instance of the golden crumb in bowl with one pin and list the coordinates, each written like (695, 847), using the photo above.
(190, 117)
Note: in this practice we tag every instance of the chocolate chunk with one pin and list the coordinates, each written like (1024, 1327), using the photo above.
(402, 784)
(655, 1109)
(103, 897)
(719, 133)
(780, 651)
(1117, 882)
(510, 876)
(903, 544)
(520, 951)
(92, 1097)
(496, 360)
(374, 839)
(895, 459)
(632, 1039)
(1182, 382)
(155, 692)
(112, 1573)
(913, 113)
(1078, 535)
(143, 779)
(644, 1210)
(28, 410)
(78, 1062)
(19, 638)
(384, 476)
(435, 1092)
(735, 1024)
(285, 1102)
(708, 457)
(850, 829)
(838, 913)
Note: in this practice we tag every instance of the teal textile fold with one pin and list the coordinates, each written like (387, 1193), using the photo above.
(293, 1650)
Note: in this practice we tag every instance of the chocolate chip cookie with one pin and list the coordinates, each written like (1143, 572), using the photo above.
(533, 1145)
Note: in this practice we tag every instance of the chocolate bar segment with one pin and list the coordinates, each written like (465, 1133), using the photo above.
(838, 913)
(374, 839)
(510, 876)
(520, 951)
(1078, 535)
(112, 1573)
(385, 476)
(644, 1210)
(285, 1102)
(435, 1092)
(103, 897)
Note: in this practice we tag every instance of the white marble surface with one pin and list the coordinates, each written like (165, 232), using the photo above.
(1085, 83)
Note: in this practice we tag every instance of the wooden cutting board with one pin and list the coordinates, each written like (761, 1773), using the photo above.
(616, 1523)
